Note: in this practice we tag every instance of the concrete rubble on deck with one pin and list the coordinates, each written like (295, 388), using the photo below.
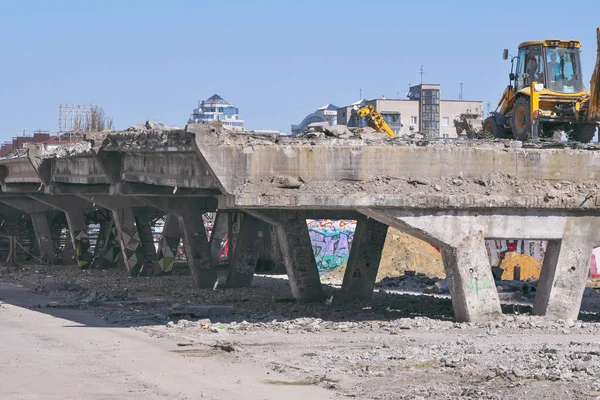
(454, 195)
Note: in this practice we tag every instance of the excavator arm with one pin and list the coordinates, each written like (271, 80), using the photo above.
(375, 120)
(594, 105)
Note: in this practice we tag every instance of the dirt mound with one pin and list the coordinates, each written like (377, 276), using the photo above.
(530, 266)
(401, 253)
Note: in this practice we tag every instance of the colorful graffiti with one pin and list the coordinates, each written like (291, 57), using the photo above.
(331, 241)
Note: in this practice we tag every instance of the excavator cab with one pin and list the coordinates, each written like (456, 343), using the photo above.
(554, 64)
(545, 96)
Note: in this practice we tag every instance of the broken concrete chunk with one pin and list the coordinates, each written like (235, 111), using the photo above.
(319, 126)
(155, 125)
(137, 127)
(286, 182)
(338, 130)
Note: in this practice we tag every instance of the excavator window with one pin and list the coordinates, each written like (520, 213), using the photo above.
(564, 74)
(530, 66)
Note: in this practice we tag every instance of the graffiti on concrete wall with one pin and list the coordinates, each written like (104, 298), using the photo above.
(331, 241)
(497, 249)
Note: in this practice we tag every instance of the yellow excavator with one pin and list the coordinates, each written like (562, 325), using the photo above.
(546, 95)
(374, 119)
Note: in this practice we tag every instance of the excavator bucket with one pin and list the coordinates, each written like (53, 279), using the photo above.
(594, 108)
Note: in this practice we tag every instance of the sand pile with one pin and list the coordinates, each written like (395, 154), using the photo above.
(401, 253)
(530, 267)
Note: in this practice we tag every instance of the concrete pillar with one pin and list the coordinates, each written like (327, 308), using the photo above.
(106, 253)
(169, 244)
(244, 257)
(460, 237)
(43, 236)
(74, 209)
(144, 226)
(80, 238)
(132, 250)
(218, 234)
(296, 251)
(197, 250)
(565, 269)
(364, 259)
(470, 280)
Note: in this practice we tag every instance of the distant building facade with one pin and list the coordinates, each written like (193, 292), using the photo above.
(215, 108)
(424, 112)
(328, 113)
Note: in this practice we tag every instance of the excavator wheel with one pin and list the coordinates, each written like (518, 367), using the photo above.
(492, 130)
(583, 133)
(520, 121)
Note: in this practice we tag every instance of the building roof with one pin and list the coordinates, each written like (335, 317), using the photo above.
(214, 97)
(328, 106)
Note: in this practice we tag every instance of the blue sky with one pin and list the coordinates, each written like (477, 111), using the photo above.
(276, 61)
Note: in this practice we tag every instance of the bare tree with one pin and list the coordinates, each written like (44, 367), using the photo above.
(96, 120)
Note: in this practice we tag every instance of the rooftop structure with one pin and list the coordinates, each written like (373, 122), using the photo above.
(215, 108)
(424, 111)
(327, 113)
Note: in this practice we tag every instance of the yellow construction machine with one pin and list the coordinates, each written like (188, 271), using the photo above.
(374, 119)
(546, 94)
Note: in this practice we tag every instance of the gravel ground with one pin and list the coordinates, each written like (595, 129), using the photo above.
(402, 345)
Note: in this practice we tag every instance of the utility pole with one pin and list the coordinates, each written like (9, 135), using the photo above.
(460, 96)
(422, 73)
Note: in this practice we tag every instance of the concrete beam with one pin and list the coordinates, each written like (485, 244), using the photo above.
(235, 160)
(143, 189)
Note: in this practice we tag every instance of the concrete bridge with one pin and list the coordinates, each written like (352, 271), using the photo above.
(453, 195)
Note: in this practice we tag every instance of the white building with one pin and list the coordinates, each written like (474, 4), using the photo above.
(327, 113)
(424, 111)
(216, 109)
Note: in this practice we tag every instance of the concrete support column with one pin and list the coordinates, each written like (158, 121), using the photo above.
(197, 250)
(40, 221)
(74, 209)
(43, 236)
(144, 226)
(364, 259)
(132, 250)
(169, 244)
(297, 252)
(218, 234)
(189, 212)
(565, 269)
(460, 237)
(244, 257)
(79, 237)
(106, 253)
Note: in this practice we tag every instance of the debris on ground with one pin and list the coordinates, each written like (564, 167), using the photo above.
(401, 345)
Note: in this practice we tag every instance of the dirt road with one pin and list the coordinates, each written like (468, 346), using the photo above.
(403, 344)
(72, 354)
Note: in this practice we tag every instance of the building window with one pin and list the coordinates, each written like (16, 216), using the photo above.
(413, 121)
(446, 121)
